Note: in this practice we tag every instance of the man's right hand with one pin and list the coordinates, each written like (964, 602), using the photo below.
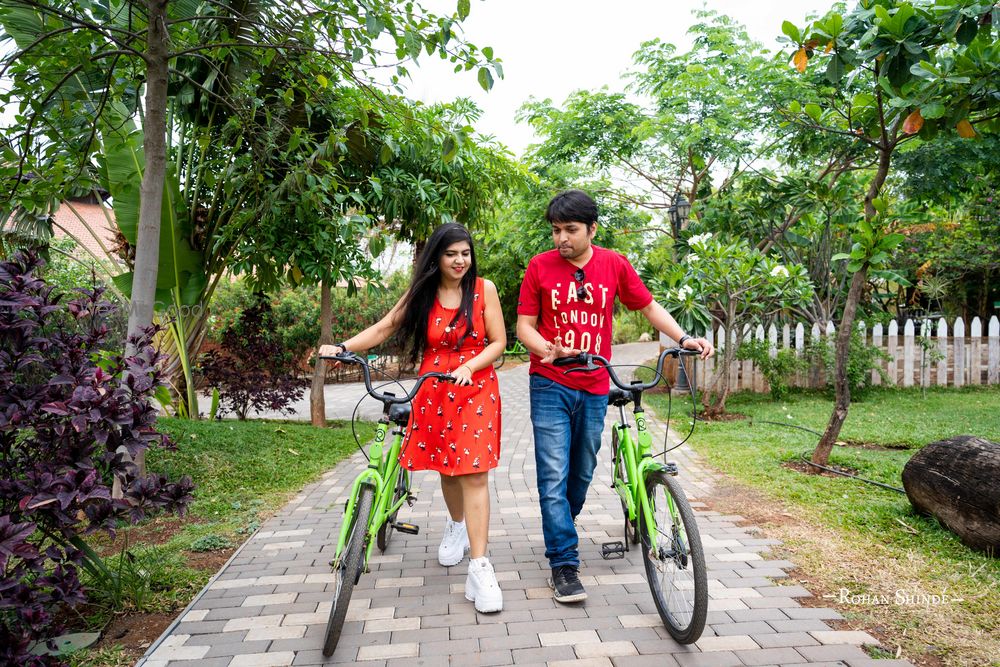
(555, 350)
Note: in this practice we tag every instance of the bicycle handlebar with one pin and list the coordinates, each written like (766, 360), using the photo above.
(387, 398)
(587, 364)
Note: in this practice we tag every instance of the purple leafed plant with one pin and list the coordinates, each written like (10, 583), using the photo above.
(68, 409)
(252, 370)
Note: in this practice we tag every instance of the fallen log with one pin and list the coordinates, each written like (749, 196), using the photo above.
(957, 480)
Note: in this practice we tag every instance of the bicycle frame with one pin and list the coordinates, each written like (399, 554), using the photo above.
(380, 474)
(637, 463)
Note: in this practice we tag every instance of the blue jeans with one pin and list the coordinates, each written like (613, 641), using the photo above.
(567, 424)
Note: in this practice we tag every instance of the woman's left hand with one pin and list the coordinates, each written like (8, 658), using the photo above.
(462, 375)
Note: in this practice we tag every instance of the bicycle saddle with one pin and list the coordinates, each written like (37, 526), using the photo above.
(399, 413)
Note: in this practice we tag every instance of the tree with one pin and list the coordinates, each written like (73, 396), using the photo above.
(76, 59)
(894, 71)
(739, 286)
(705, 114)
(518, 231)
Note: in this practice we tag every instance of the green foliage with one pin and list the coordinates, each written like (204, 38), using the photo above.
(778, 370)
(295, 311)
(210, 543)
(519, 231)
(629, 325)
(144, 580)
(706, 111)
(671, 290)
(862, 361)
(739, 285)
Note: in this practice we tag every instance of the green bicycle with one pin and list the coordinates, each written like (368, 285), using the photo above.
(377, 495)
(515, 350)
(657, 513)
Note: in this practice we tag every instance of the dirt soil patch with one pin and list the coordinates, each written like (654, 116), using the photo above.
(891, 447)
(724, 417)
(804, 468)
(135, 632)
(155, 531)
(211, 561)
(829, 563)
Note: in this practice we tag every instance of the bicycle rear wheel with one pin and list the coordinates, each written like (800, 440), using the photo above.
(617, 460)
(676, 571)
(348, 571)
(385, 530)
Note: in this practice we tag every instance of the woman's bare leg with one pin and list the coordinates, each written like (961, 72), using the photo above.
(452, 489)
(476, 499)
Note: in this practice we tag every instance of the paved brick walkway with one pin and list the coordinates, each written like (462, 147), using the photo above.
(269, 604)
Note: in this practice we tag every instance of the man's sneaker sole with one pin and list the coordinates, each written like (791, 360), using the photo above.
(579, 597)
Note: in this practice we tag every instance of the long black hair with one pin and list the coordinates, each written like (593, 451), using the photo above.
(419, 298)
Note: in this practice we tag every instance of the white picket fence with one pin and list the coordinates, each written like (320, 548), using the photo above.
(963, 356)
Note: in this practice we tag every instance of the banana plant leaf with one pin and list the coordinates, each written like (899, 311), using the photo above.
(181, 268)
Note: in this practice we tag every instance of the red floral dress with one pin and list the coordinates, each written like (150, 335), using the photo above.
(454, 430)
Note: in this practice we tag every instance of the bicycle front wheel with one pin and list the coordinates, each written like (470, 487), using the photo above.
(675, 567)
(348, 571)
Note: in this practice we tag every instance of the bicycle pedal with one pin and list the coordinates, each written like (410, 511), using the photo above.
(612, 550)
(408, 528)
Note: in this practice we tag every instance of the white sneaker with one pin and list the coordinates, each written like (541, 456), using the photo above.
(454, 544)
(481, 586)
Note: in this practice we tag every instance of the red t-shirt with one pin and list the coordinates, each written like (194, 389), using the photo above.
(550, 292)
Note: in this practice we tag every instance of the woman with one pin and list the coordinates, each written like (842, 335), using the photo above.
(453, 318)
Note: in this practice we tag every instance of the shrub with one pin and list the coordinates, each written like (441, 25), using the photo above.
(863, 359)
(67, 405)
(294, 315)
(777, 370)
(252, 370)
(629, 326)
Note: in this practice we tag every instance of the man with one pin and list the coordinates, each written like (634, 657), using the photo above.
(566, 306)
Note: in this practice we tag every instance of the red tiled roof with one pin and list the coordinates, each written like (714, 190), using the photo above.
(68, 223)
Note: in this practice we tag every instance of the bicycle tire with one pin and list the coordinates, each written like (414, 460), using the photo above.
(349, 571)
(631, 530)
(684, 608)
(386, 530)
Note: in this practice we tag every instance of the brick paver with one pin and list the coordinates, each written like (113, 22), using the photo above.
(269, 604)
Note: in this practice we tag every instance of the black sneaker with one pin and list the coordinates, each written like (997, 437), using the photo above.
(565, 582)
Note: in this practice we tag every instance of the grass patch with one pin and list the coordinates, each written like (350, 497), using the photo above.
(865, 538)
(246, 470)
(243, 472)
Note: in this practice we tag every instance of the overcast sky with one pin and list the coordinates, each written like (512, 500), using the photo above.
(550, 48)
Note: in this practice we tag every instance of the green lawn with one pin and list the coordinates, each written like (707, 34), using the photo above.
(878, 523)
(243, 470)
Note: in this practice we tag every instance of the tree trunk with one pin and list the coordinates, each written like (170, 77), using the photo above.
(147, 252)
(842, 386)
(955, 481)
(714, 398)
(317, 399)
(154, 145)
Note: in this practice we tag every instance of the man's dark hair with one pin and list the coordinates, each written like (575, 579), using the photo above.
(572, 206)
